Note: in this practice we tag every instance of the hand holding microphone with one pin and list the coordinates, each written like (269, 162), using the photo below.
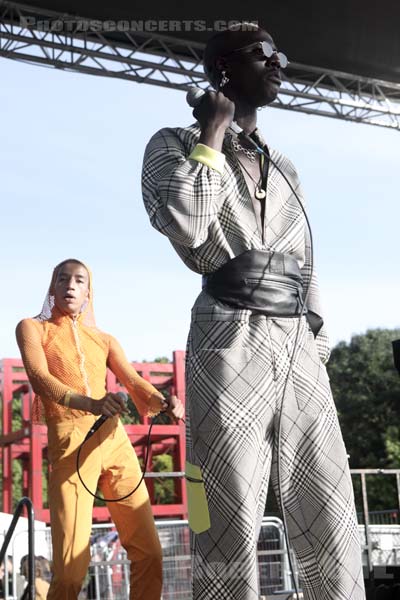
(110, 405)
(214, 112)
(211, 108)
(213, 136)
(174, 409)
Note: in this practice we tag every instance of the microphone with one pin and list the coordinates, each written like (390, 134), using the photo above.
(193, 98)
(97, 424)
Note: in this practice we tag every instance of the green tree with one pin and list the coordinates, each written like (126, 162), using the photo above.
(392, 442)
(163, 488)
(366, 388)
(159, 359)
(162, 359)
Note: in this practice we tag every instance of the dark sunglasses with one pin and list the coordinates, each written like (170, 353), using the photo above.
(262, 49)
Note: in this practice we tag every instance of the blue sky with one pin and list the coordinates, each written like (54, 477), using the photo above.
(70, 161)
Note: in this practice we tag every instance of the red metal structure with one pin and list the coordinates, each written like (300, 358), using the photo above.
(28, 443)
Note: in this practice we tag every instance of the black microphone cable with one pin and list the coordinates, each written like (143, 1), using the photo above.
(146, 458)
(303, 304)
(193, 98)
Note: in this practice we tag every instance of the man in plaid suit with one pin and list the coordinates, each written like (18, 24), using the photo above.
(217, 201)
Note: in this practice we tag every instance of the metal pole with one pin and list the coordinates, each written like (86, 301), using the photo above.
(31, 541)
(31, 551)
(398, 488)
(127, 574)
(367, 531)
(97, 582)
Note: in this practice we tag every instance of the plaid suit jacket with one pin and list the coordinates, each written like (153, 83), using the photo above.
(208, 216)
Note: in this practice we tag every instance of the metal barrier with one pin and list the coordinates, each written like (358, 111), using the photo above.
(108, 574)
(385, 545)
(29, 592)
(174, 538)
(109, 570)
(382, 517)
(367, 540)
(273, 562)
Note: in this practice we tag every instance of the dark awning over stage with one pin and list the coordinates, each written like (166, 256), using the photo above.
(355, 36)
(344, 55)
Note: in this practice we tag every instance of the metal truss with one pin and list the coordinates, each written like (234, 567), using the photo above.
(77, 44)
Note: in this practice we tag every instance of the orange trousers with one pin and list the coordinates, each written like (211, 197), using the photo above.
(108, 462)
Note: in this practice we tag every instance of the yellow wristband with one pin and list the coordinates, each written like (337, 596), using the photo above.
(209, 157)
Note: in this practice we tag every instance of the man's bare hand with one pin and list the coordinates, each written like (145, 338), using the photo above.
(214, 110)
(215, 114)
(174, 409)
(110, 405)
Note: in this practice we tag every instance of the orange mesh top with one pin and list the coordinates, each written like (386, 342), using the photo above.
(63, 353)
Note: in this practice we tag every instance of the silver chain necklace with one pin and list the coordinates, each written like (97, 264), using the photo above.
(251, 154)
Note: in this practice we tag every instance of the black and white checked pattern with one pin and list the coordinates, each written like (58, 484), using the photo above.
(209, 218)
(237, 364)
(234, 395)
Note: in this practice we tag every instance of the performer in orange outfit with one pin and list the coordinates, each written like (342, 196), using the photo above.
(66, 358)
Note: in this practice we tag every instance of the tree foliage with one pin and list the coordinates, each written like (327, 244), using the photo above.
(164, 492)
(366, 388)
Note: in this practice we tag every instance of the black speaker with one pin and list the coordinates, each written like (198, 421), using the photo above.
(396, 354)
(384, 592)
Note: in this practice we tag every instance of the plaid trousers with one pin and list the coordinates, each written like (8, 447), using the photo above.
(237, 367)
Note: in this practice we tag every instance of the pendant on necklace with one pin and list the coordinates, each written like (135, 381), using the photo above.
(260, 193)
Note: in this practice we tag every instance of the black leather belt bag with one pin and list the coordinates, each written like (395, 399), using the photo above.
(266, 282)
